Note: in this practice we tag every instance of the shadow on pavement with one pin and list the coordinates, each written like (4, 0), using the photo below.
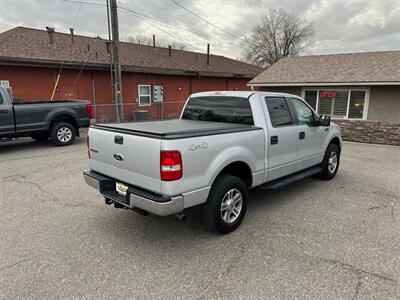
(23, 144)
(161, 231)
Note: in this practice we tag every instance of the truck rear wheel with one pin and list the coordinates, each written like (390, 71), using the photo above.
(62, 134)
(226, 204)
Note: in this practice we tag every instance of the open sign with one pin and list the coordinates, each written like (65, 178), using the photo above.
(329, 94)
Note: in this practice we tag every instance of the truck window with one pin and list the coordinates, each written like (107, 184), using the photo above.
(1, 99)
(303, 112)
(219, 109)
(278, 111)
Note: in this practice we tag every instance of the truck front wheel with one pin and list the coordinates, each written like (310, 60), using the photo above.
(62, 134)
(226, 204)
(330, 164)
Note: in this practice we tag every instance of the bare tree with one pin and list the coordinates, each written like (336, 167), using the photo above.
(279, 34)
(145, 40)
(139, 39)
(178, 45)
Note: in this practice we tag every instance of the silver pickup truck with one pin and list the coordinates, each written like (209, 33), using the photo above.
(224, 144)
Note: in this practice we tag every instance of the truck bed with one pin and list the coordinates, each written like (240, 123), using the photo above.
(22, 102)
(175, 129)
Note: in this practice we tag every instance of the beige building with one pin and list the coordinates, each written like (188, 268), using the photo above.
(361, 91)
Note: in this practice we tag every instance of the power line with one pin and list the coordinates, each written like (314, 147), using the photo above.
(155, 20)
(152, 19)
(62, 64)
(83, 2)
(168, 33)
(215, 26)
(86, 61)
(208, 22)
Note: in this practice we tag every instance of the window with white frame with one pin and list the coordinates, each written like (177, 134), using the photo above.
(144, 95)
(338, 103)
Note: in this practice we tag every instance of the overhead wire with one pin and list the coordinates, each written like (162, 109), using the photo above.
(150, 18)
(156, 20)
(167, 33)
(215, 26)
(87, 59)
(63, 62)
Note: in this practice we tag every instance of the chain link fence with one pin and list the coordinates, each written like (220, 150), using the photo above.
(107, 113)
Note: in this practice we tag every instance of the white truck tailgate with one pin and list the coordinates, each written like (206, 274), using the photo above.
(135, 161)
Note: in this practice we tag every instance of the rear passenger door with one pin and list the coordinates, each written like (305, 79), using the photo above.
(310, 136)
(282, 139)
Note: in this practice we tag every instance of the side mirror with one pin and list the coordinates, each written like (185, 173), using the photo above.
(324, 120)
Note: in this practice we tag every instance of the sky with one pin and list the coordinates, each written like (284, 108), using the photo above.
(341, 26)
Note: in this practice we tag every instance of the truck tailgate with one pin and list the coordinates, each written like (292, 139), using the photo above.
(135, 161)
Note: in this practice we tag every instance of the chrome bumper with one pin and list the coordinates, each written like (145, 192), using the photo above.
(158, 205)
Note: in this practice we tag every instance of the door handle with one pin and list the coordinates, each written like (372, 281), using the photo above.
(4, 111)
(274, 140)
(302, 135)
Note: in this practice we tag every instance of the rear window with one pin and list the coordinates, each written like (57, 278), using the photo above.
(219, 109)
(278, 111)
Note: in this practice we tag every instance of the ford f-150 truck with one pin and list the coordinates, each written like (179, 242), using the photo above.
(224, 144)
(58, 120)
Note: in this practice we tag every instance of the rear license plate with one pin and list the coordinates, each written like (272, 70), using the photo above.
(121, 188)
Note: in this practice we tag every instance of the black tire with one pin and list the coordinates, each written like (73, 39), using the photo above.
(212, 210)
(62, 134)
(328, 172)
(40, 137)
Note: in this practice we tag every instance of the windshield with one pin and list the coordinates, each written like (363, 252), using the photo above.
(219, 109)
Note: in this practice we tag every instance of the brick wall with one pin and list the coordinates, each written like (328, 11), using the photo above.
(375, 132)
(35, 83)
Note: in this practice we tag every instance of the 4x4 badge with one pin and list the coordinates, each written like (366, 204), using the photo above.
(194, 147)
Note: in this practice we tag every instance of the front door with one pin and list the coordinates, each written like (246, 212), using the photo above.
(6, 117)
(311, 137)
(282, 140)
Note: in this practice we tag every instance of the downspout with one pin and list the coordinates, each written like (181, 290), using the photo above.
(94, 96)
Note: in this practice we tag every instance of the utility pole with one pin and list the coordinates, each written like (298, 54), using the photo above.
(109, 51)
(116, 62)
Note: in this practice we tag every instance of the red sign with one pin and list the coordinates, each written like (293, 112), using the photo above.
(328, 94)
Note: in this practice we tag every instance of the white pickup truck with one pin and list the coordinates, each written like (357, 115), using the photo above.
(224, 144)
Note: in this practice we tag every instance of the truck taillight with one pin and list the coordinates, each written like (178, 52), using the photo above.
(171, 165)
(88, 146)
(89, 108)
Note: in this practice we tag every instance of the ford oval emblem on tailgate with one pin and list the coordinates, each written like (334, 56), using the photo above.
(118, 157)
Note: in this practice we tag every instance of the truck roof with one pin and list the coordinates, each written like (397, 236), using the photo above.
(243, 94)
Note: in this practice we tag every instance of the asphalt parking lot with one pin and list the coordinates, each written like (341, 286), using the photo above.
(336, 239)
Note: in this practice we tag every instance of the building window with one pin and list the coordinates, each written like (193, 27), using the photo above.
(338, 103)
(334, 103)
(144, 95)
(311, 98)
(357, 103)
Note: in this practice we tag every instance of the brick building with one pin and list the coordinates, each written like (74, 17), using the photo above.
(360, 91)
(31, 59)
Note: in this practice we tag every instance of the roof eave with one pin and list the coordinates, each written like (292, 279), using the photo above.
(300, 84)
(125, 68)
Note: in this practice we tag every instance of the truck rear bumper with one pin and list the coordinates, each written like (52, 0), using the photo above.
(136, 197)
